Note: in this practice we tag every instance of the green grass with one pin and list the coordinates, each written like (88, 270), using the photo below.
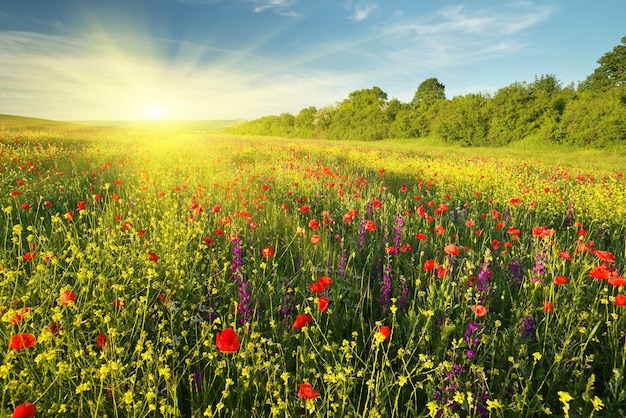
(164, 239)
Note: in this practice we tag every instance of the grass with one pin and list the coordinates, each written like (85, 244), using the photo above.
(166, 272)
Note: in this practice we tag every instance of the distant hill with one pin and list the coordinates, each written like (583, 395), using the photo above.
(177, 125)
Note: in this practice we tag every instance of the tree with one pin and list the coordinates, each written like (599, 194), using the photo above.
(611, 72)
(428, 92)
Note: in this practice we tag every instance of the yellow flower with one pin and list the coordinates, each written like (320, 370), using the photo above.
(597, 404)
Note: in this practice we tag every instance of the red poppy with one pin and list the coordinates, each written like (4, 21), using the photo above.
(601, 272)
(101, 340)
(617, 281)
(119, 303)
(322, 303)
(430, 265)
(317, 287)
(385, 330)
(69, 216)
(442, 272)
(543, 232)
(420, 237)
(24, 410)
(118, 182)
(302, 321)
(479, 310)
(605, 256)
(315, 239)
(620, 300)
(306, 391)
(20, 314)
(560, 280)
(54, 328)
(227, 341)
(439, 230)
(370, 225)
(268, 252)
(314, 224)
(565, 255)
(325, 280)
(81, 205)
(21, 341)
(29, 256)
(67, 297)
(25, 206)
(548, 306)
(451, 249)
(153, 257)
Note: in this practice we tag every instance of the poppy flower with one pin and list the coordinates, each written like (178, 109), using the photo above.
(302, 321)
(306, 391)
(25, 206)
(620, 300)
(605, 256)
(314, 224)
(101, 340)
(21, 341)
(370, 225)
(69, 216)
(565, 255)
(451, 249)
(317, 287)
(322, 303)
(227, 341)
(439, 230)
(24, 410)
(479, 310)
(442, 272)
(560, 280)
(153, 257)
(601, 272)
(548, 306)
(420, 237)
(429, 265)
(385, 331)
(315, 239)
(29, 256)
(67, 297)
(617, 281)
(268, 252)
(20, 314)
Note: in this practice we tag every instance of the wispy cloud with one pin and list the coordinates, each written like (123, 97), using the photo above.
(65, 77)
(279, 6)
(362, 11)
(459, 33)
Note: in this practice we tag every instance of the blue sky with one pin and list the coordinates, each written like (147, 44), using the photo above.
(229, 59)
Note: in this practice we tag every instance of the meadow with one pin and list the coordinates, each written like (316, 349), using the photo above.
(162, 272)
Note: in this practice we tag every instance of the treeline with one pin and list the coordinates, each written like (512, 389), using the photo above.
(593, 113)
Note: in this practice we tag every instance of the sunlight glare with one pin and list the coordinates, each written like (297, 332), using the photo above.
(155, 112)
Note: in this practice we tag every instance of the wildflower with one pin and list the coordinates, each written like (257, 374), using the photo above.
(430, 265)
(420, 237)
(153, 257)
(268, 252)
(605, 256)
(227, 341)
(306, 391)
(617, 281)
(620, 300)
(24, 410)
(560, 280)
(548, 306)
(479, 310)
(302, 321)
(315, 239)
(314, 224)
(19, 315)
(451, 249)
(565, 255)
(322, 303)
(29, 256)
(67, 297)
(101, 340)
(384, 331)
(601, 272)
(21, 341)
(69, 216)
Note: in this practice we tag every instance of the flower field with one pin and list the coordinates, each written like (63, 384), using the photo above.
(164, 273)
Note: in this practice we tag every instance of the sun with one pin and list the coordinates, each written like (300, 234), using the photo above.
(155, 112)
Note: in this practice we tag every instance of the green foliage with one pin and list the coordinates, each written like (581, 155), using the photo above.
(592, 116)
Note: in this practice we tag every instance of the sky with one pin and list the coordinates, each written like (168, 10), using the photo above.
(243, 59)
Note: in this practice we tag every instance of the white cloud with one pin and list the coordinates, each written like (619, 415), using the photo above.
(362, 11)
